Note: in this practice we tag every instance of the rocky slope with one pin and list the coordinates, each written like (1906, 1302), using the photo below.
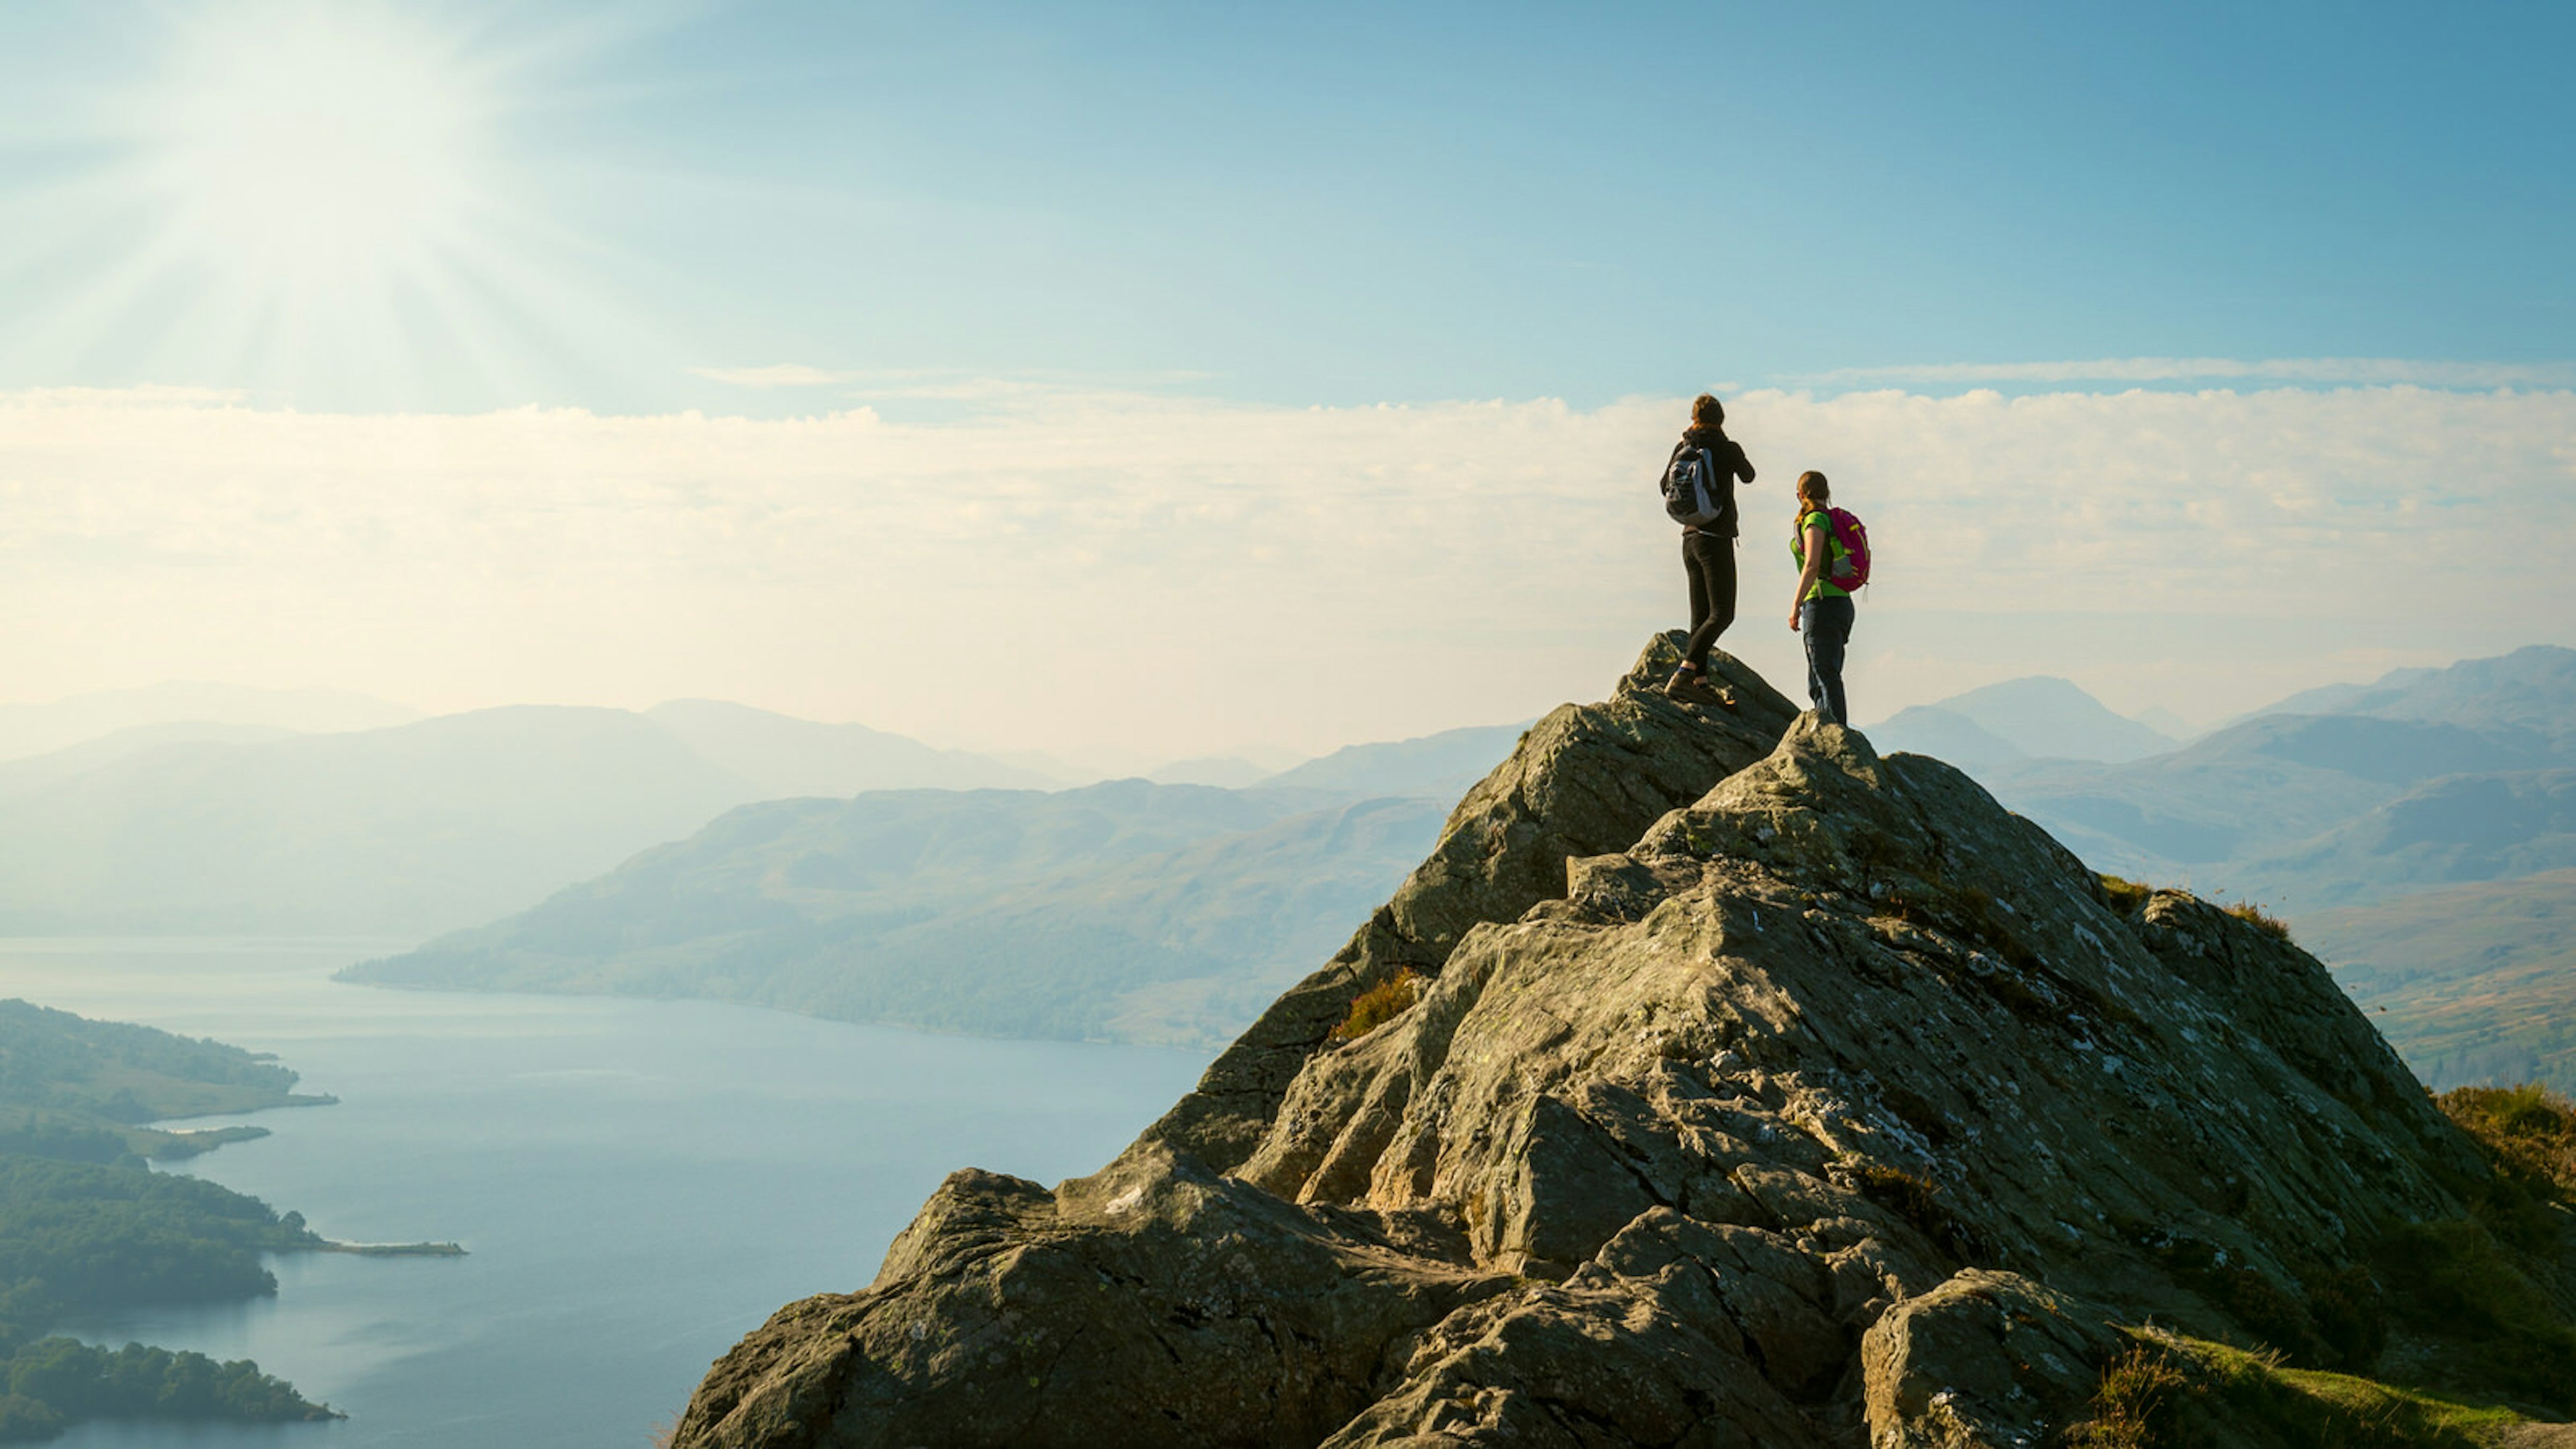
(1757, 1091)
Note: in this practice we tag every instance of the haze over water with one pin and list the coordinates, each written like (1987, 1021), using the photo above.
(638, 1183)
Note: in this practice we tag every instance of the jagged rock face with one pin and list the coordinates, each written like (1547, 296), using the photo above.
(1760, 1086)
(1586, 779)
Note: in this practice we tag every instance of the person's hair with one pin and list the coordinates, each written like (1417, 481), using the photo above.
(1812, 488)
(1707, 411)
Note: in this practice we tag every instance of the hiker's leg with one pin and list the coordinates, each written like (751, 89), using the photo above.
(1710, 562)
(1827, 626)
(1695, 650)
(1807, 626)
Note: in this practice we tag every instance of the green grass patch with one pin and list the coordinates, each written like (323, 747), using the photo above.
(1377, 1006)
(2499, 1330)
(2171, 1392)
(2529, 1131)
(2124, 895)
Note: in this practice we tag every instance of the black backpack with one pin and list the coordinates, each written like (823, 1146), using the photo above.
(1694, 493)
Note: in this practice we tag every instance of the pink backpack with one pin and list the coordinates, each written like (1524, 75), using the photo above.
(1851, 572)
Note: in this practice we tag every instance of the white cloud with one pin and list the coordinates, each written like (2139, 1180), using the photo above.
(776, 374)
(2370, 371)
(1178, 575)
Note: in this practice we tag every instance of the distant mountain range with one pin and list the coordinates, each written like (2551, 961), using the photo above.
(780, 755)
(30, 729)
(302, 812)
(2427, 778)
(1442, 765)
(1127, 910)
(2383, 820)
(2019, 719)
(2419, 832)
(420, 827)
(284, 824)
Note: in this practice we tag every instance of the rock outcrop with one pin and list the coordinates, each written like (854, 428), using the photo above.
(1758, 1090)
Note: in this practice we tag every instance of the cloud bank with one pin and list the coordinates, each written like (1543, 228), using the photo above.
(1080, 570)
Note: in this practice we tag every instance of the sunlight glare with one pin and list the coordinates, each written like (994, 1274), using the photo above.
(308, 147)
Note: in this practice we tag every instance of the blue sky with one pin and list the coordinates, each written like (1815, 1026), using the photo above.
(1172, 379)
(1345, 204)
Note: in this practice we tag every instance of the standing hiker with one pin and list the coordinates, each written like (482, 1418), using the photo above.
(1832, 550)
(1699, 492)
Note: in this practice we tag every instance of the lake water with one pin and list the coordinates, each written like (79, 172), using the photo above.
(637, 1183)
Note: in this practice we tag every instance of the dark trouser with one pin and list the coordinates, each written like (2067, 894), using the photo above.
(1709, 562)
(1827, 624)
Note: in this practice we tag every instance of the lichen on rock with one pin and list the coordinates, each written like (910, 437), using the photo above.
(1757, 1090)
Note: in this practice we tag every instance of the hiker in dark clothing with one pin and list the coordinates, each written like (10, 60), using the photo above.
(1708, 544)
(1823, 608)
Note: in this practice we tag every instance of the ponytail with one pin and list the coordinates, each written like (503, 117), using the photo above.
(1813, 492)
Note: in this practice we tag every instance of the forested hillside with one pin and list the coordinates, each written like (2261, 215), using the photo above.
(85, 1226)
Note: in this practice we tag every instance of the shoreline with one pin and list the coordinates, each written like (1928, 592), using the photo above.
(385, 1250)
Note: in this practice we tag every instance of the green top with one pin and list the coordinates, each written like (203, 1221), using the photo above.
(1835, 553)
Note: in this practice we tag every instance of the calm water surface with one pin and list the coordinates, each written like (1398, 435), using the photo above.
(637, 1183)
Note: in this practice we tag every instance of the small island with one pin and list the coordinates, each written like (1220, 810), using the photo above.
(86, 1225)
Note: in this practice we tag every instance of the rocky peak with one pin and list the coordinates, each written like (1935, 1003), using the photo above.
(1755, 1089)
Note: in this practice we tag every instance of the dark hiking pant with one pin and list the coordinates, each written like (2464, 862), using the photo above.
(1827, 625)
(1709, 562)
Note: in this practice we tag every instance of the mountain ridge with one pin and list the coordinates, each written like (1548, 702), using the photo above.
(1729, 1084)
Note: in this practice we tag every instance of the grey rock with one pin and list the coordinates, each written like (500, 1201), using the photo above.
(1985, 1361)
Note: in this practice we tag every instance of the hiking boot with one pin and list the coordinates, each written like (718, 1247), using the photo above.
(1690, 688)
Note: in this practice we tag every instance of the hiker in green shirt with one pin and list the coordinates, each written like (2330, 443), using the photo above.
(1823, 610)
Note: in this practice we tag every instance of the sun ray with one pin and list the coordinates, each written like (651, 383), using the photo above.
(319, 202)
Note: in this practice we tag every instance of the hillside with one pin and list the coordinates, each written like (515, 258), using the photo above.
(80, 1090)
(2428, 778)
(1715, 1080)
(2476, 984)
(1126, 911)
(86, 1227)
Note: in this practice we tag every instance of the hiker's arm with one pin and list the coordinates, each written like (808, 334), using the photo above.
(1807, 578)
(1743, 464)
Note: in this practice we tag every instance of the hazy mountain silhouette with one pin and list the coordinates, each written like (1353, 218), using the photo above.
(780, 755)
(27, 772)
(2039, 718)
(1129, 909)
(1438, 766)
(28, 729)
(416, 828)
(2428, 777)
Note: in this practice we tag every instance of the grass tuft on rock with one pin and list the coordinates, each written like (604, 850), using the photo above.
(2127, 1412)
(2124, 895)
(1377, 1006)
(2253, 914)
(2172, 1392)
